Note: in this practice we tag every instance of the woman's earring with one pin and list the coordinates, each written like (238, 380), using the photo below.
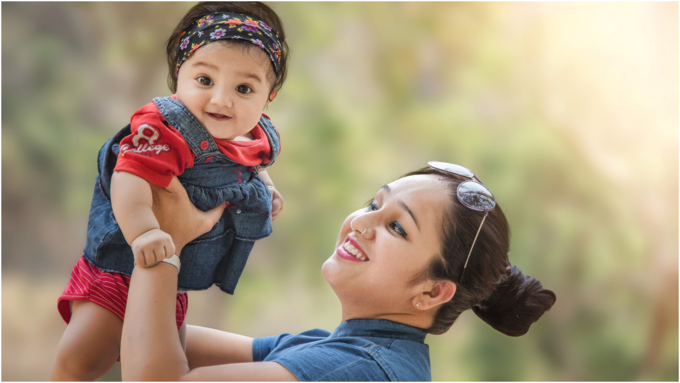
(363, 232)
(417, 304)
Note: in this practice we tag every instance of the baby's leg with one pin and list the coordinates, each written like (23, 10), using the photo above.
(90, 344)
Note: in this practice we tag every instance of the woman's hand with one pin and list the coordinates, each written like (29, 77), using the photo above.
(179, 217)
(277, 203)
(150, 346)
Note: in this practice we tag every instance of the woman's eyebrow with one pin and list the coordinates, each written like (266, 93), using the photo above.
(403, 205)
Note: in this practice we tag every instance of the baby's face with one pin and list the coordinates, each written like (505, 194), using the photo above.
(226, 87)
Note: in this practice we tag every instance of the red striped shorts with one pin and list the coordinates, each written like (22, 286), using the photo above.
(109, 290)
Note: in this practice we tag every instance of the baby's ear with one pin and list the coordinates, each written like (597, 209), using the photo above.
(272, 96)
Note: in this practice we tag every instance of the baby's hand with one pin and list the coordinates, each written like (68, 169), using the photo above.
(151, 247)
(277, 203)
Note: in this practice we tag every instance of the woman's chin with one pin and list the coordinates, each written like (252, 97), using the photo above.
(326, 268)
(330, 269)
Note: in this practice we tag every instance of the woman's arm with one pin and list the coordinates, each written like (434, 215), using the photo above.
(210, 347)
(150, 346)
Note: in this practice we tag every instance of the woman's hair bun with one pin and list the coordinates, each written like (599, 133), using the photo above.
(518, 301)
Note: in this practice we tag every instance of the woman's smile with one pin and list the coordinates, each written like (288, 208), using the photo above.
(351, 251)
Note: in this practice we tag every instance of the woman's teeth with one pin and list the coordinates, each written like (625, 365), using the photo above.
(354, 251)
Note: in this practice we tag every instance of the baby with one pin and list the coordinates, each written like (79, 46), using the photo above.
(227, 62)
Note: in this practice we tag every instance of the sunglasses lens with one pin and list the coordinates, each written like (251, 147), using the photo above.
(451, 168)
(475, 196)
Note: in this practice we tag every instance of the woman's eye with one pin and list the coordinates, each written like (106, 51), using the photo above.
(372, 206)
(397, 228)
(206, 81)
(244, 89)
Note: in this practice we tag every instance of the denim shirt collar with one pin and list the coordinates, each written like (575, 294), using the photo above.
(380, 328)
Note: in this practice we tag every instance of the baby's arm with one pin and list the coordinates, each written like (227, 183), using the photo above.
(132, 200)
(277, 200)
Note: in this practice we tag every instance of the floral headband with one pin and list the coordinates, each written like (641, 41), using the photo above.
(223, 26)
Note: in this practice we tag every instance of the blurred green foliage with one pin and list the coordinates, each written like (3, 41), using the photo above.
(567, 111)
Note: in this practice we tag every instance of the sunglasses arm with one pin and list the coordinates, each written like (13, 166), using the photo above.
(478, 180)
(474, 241)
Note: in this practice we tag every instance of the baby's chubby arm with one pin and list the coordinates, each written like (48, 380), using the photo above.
(131, 200)
(277, 199)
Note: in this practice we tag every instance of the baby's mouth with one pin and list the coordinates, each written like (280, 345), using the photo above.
(218, 116)
(354, 251)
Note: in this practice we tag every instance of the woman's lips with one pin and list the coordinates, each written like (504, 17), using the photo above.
(351, 251)
(344, 254)
(355, 244)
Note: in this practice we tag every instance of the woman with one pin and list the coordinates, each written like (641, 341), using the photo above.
(431, 245)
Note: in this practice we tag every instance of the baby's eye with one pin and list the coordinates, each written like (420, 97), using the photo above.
(244, 89)
(203, 80)
(396, 226)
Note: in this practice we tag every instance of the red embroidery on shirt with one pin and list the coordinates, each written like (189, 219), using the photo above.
(238, 178)
(155, 134)
(145, 148)
(150, 134)
(252, 208)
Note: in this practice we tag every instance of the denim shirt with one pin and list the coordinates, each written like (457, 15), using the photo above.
(217, 257)
(358, 350)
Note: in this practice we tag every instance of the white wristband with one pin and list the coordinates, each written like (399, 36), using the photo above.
(271, 187)
(174, 260)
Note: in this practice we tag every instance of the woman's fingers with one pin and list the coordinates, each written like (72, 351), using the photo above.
(178, 217)
(175, 187)
(212, 216)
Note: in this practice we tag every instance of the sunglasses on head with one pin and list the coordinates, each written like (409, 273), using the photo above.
(472, 194)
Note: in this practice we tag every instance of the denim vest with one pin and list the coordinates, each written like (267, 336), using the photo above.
(217, 257)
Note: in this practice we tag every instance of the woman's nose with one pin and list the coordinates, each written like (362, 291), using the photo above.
(363, 227)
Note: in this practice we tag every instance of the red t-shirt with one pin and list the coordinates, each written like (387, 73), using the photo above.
(155, 151)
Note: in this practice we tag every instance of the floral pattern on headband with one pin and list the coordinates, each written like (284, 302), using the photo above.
(222, 26)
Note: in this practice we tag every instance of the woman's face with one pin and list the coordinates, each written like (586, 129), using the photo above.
(371, 272)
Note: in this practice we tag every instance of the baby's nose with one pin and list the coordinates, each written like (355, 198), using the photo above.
(222, 98)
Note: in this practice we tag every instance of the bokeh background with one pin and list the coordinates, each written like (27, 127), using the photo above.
(567, 111)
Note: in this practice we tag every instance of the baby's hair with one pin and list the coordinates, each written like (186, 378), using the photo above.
(255, 10)
(497, 291)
